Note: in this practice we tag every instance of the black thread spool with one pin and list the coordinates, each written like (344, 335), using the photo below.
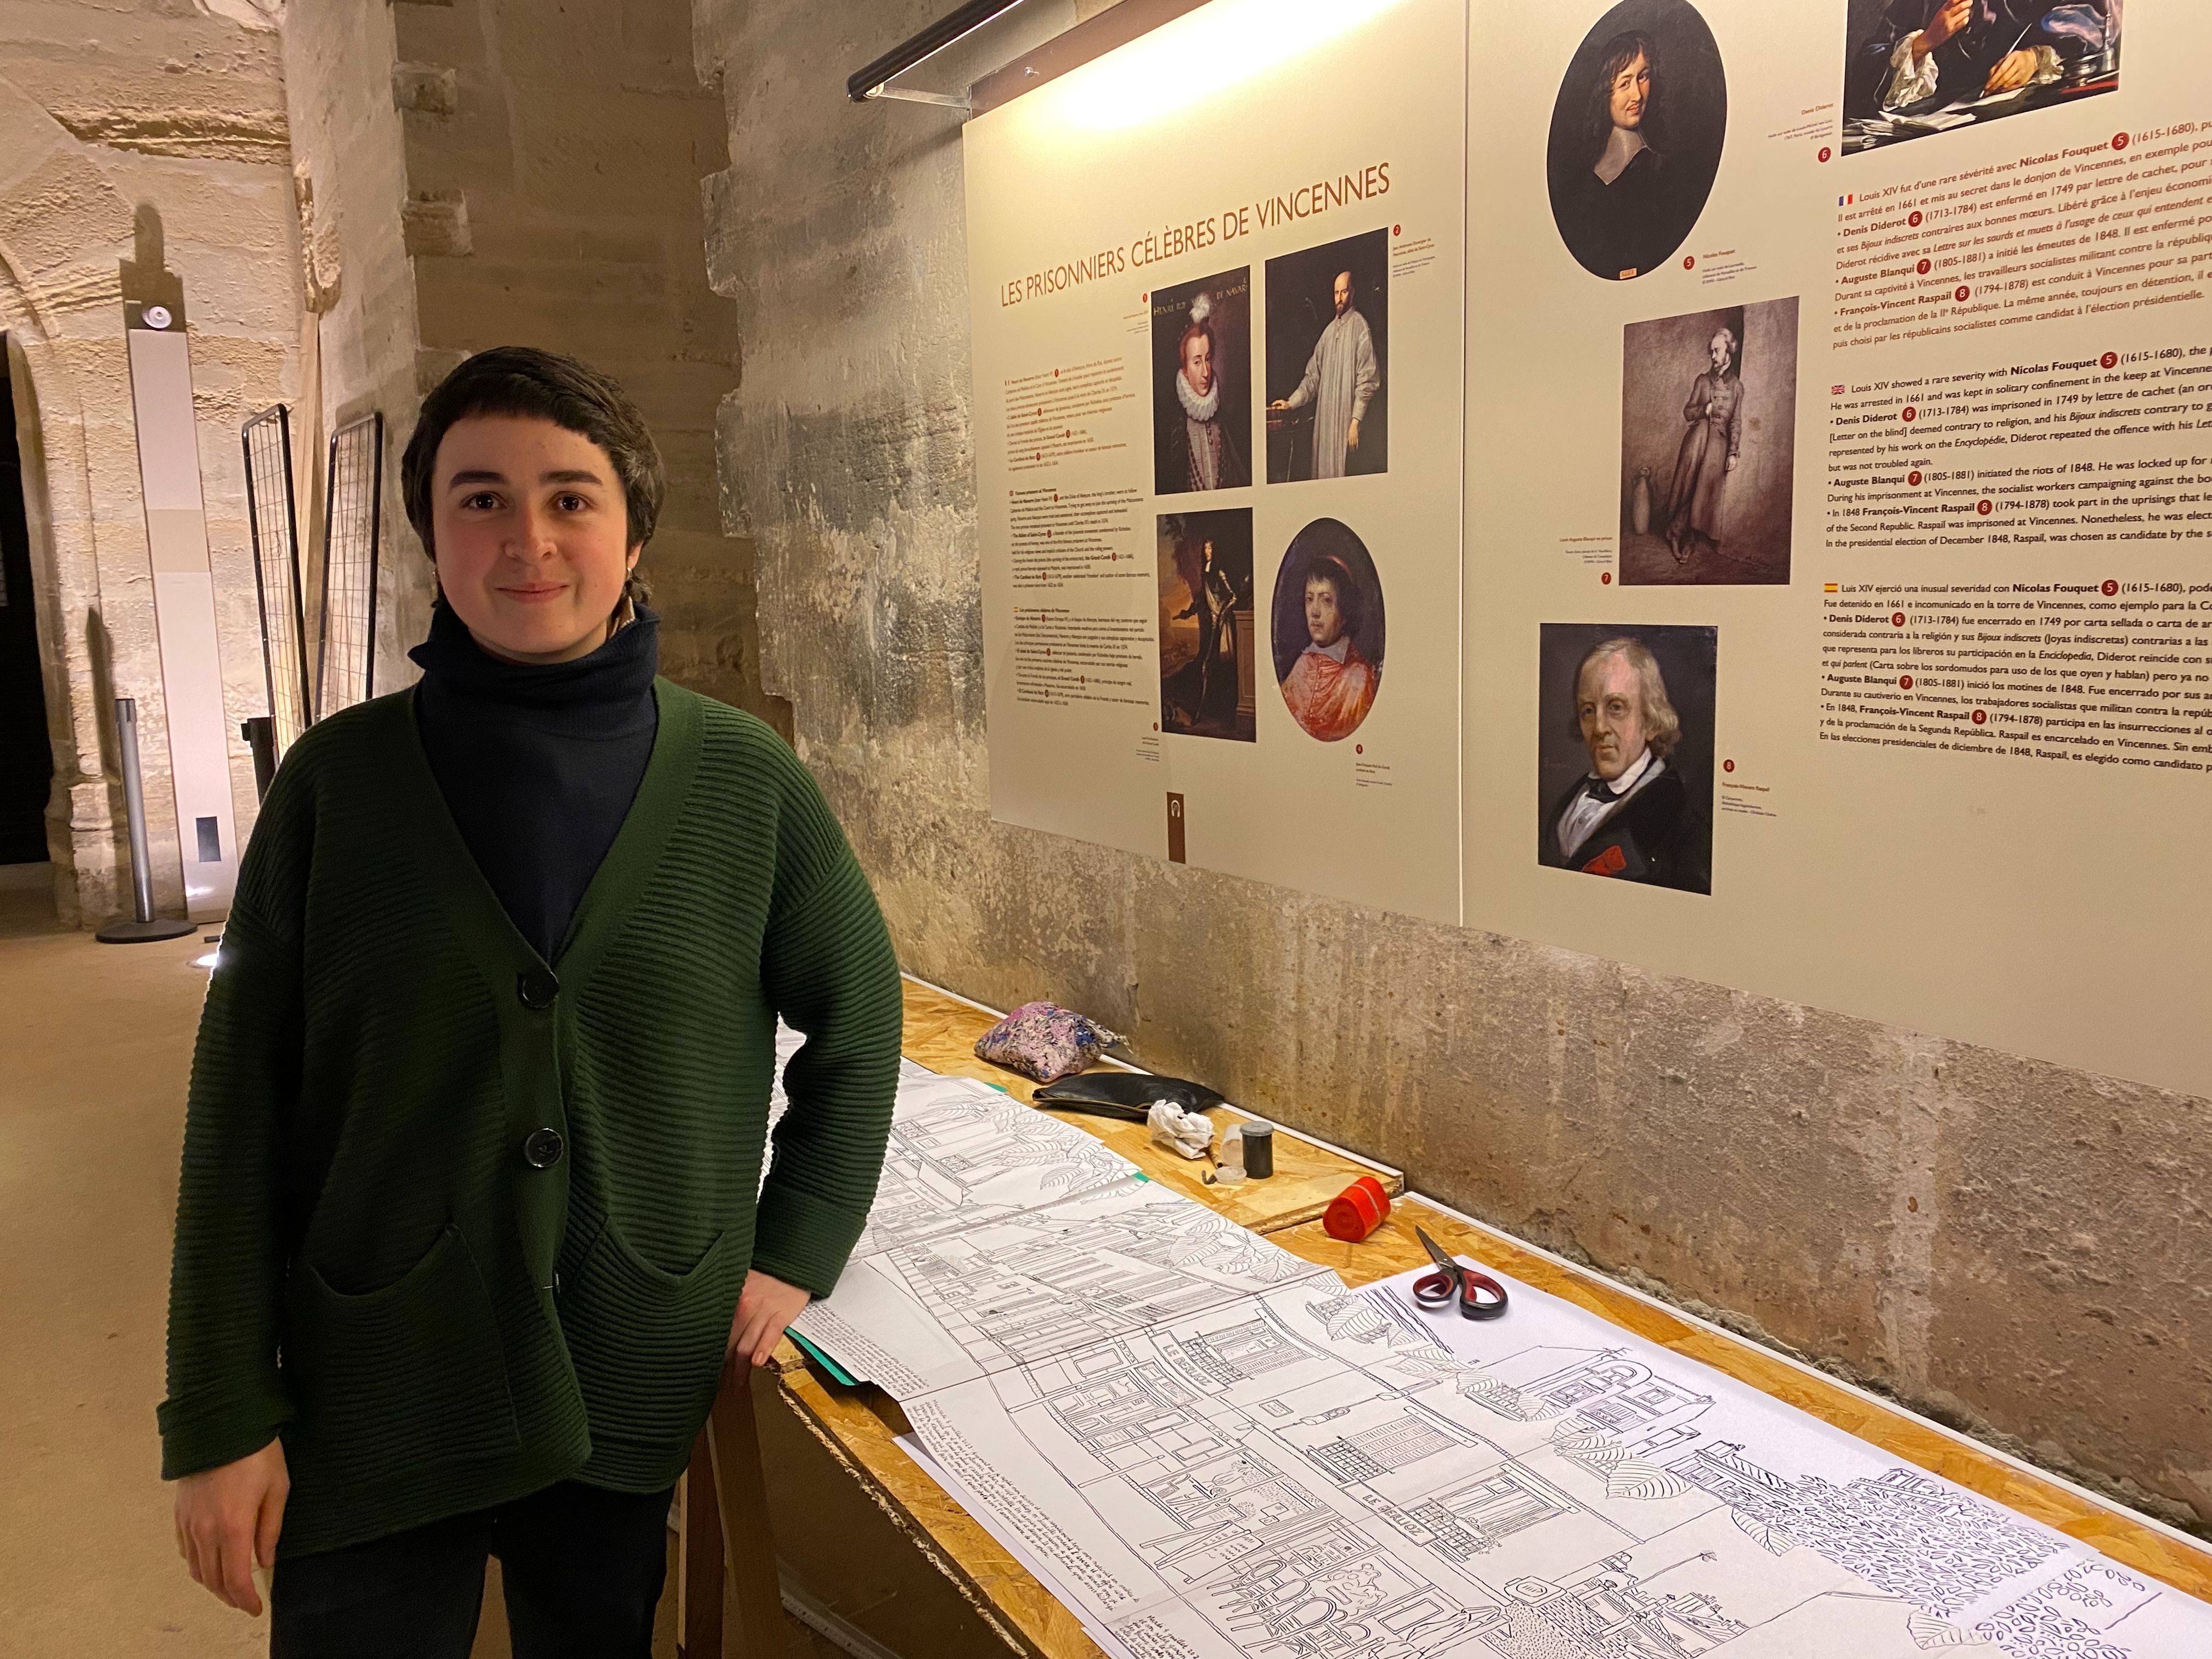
(1258, 1151)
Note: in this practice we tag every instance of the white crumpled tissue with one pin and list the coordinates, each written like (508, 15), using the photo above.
(1188, 1133)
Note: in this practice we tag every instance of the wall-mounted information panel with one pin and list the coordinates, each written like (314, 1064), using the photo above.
(1833, 598)
(1216, 279)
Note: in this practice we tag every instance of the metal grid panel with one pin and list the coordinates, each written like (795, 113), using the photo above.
(350, 536)
(269, 511)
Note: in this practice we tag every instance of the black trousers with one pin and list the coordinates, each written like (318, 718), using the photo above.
(583, 1569)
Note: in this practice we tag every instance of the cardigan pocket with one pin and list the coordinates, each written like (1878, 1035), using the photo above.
(401, 1376)
(647, 1344)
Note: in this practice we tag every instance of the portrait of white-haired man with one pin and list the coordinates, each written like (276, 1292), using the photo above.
(1631, 816)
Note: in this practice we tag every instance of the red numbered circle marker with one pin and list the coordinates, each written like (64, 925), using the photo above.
(2120, 141)
(1984, 506)
(1981, 717)
(1728, 766)
(1897, 619)
(1905, 682)
(1826, 152)
(1911, 414)
(2110, 359)
(1914, 220)
(1912, 479)
(1925, 266)
(2109, 589)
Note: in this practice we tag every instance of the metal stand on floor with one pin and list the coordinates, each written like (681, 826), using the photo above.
(142, 928)
(260, 735)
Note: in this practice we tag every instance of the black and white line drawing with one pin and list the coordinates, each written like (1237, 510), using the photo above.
(1210, 1449)
(1312, 1473)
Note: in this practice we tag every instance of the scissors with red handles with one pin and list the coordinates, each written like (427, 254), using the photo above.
(1478, 1294)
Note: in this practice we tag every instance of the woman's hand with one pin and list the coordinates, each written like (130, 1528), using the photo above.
(227, 1518)
(765, 1307)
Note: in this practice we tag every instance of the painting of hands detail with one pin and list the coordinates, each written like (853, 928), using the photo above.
(1917, 67)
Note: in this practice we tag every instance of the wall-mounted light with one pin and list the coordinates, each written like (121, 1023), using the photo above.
(1236, 40)
(875, 80)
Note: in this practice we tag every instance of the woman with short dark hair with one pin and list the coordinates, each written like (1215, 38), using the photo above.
(471, 1212)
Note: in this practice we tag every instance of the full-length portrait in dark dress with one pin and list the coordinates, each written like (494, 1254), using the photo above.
(1207, 641)
(1636, 137)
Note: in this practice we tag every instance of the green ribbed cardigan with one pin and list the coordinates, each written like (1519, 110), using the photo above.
(370, 1259)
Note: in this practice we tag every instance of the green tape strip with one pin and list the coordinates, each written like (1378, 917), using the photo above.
(825, 1361)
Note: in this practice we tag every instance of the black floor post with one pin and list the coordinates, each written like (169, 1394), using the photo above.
(260, 735)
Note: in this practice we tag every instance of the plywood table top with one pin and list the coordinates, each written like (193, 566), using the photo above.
(859, 1424)
(941, 1033)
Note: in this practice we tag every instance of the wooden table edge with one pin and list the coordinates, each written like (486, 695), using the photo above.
(2134, 1541)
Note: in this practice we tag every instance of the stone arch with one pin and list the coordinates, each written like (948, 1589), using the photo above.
(63, 231)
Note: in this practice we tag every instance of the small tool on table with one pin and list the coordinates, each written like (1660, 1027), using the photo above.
(1453, 1281)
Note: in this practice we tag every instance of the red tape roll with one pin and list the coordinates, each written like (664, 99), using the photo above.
(1356, 1210)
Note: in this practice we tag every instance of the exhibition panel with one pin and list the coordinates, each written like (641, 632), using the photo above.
(1822, 530)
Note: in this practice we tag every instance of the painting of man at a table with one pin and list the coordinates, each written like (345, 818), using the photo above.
(1920, 66)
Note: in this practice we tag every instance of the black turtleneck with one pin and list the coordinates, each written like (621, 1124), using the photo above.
(539, 763)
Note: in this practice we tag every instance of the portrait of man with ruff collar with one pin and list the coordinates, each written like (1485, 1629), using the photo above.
(1201, 384)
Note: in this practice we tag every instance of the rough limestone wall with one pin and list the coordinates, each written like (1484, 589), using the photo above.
(552, 199)
(154, 135)
(2015, 1247)
(360, 337)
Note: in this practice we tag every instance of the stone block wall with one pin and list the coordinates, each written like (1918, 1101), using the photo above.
(151, 137)
(2016, 1247)
(360, 337)
(490, 174)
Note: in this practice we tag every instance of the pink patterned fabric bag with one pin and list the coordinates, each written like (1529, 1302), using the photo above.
(1045, 1041)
